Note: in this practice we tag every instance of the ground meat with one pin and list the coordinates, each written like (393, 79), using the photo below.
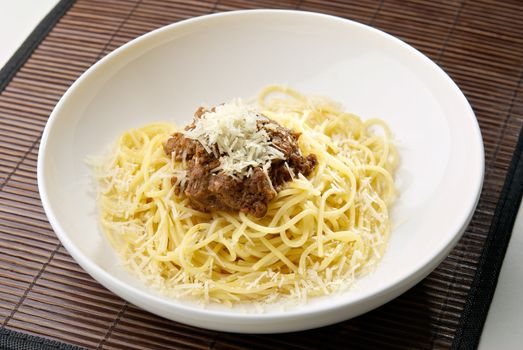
(208, 190)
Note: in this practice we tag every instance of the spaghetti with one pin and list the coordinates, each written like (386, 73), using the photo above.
(319, 234)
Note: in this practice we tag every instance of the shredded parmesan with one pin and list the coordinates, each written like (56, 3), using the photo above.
(232, 131)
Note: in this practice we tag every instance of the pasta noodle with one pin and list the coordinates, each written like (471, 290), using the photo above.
(318, 235)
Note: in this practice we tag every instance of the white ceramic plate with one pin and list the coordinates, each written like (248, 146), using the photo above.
(166, 74)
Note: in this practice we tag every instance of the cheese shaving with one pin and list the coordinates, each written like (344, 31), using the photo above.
(232, 132)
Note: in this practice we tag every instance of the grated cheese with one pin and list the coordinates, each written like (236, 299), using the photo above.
(232, 132)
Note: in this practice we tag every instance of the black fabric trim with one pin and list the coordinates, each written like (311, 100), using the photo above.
(33, 40)
(486, 277)
(12, 340)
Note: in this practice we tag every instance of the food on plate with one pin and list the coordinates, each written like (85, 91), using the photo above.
(235, 159)
(280, 199)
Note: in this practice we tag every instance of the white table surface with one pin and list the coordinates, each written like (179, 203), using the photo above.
(503, 329)
(17, 20)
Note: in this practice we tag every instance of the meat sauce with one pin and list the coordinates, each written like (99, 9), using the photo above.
(208, 189)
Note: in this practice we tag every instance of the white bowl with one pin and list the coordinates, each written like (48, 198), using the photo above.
(166, 74)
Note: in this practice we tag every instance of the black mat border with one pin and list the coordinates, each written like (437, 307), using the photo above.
(12, 340)
(482, 290)
(486, 277)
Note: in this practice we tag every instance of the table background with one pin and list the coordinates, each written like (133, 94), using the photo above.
(45, 293)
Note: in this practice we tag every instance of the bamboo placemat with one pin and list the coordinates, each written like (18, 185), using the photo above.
(44, 292)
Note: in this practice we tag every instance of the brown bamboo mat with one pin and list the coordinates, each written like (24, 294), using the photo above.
(44, 292)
